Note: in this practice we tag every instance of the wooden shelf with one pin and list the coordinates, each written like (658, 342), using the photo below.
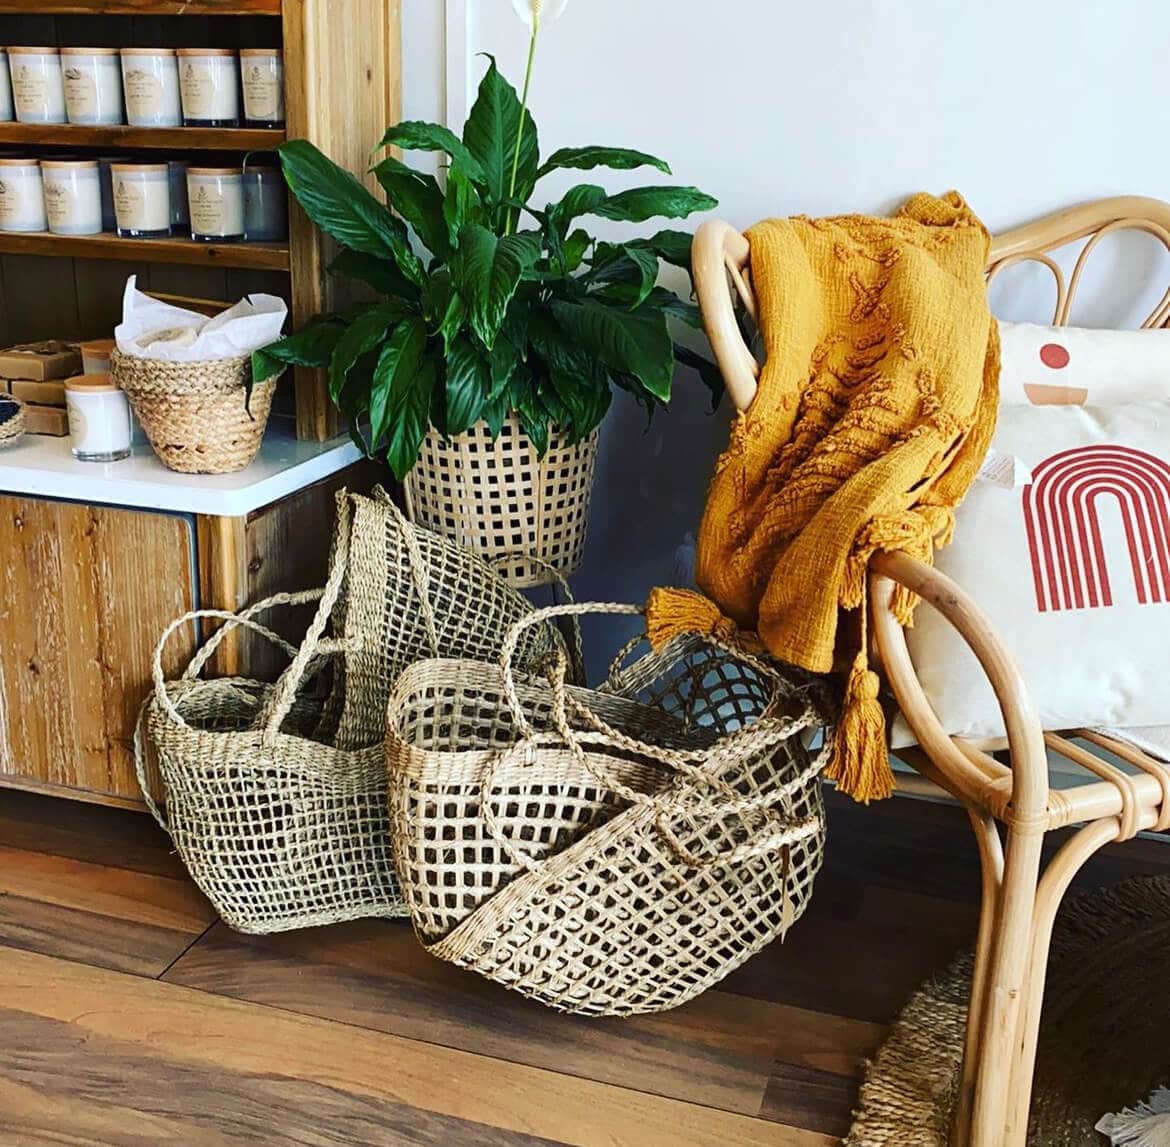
(257, 256)
(122, 135)
(141, 7)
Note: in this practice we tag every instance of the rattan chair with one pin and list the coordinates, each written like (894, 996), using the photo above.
(1011, 806)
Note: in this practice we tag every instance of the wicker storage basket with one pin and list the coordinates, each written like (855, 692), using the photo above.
(11, 419)
(413, 594)
(499, 499)
(194, 413)
(607, 852)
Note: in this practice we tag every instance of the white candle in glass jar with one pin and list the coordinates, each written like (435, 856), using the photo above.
(22, 196)
(262, 77)
(99, 418)
(142, 199)
(215, 200)
(7, 112)
(38, 90)
(209, 80)
(73, 196)
(95, 356)
(93, 85)
(150, 80)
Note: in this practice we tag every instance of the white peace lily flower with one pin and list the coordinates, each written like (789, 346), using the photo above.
(531, 11)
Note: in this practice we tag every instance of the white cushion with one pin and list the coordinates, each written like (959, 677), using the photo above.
(1071, 365)
(1078, 589)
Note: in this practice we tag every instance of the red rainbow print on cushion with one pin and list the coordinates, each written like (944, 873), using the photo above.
(1069, 569)
(1055, 357)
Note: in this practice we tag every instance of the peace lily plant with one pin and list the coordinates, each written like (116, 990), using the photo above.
(497, 305)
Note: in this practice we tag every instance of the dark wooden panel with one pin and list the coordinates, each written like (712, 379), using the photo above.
(264, 256)
(124, 135)
(808, 1098)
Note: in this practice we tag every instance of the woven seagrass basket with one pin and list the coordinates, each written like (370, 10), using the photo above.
(604, 852)
(499, 499)
(11, 420)
(194, 413)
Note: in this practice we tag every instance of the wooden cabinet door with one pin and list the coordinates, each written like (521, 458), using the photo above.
(85, 592)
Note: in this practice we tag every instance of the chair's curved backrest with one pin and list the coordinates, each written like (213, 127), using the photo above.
(721, 259)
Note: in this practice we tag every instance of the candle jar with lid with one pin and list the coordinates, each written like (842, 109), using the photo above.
(38, 88)
(22, 196)
(262, 77)
(73, 196)
(93, 85)
(142, 199)
(150, 80)
(215, 201)
(209, 79)
(99, 418)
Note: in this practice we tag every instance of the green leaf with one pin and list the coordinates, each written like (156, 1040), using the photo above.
(636, 342)
(360, 337)
(579, 200)
(417, 198)
(495, 412)
(707, 371)
(338, 203)
(486, 271)
(509, 349)
(400, 396)
(491, 132)
(468, 382)
(628, 263)
(586, 158)
(534, 421)
(641, 203)
(578, 383)
(417, 135)
(673, 247)
(311, 346)
(380, 272)
(574, 248)
(460, 203)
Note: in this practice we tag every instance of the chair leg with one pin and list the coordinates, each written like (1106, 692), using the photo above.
(991, 868)
(1007, 982)
(1053, 885)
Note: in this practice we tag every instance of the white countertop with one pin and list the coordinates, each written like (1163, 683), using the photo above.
(44, 466)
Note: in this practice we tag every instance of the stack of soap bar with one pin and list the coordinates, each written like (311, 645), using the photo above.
(35, 373)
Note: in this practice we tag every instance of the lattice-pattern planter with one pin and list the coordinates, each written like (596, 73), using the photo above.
(499, 499)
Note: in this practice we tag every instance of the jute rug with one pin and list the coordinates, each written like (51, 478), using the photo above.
(1104, 1041)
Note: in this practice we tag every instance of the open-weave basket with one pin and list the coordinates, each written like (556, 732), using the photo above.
(195, 413)
(11, 419)
(609, 852)
(499, 498)
(413, 594)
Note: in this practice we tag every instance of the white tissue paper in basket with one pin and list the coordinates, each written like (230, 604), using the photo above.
(156, 330)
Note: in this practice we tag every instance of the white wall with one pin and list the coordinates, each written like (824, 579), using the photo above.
(821, 107)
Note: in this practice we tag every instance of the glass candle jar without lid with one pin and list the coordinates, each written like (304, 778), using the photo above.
(73, 196)
(150, 80)
(93, 85)
(95, 356)
(262, 77)
(7, 112)
(38, 89)
(209, 80)
(99, 418)
(265, 204)
(142, 199)
(215, 201)
(22, 196)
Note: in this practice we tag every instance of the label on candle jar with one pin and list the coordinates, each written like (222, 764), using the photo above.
(144, 94)
(10, 208)
(198, 91)
(262, 94)
(30, 88)
(59, 205)
(81, 92)
(142, 205)
(216, 210)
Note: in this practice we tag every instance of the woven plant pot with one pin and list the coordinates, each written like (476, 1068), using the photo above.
(194, 412)
(499, 499)
(11, 420)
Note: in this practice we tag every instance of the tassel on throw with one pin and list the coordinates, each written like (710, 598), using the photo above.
(861, 763)
(1146, 1125)
(672, 612)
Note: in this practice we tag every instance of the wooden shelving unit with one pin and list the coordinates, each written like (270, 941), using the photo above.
(142, 7)
(186, 252)
(142, 138)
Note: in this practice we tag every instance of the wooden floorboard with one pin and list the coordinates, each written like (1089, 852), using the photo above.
(131, 1017)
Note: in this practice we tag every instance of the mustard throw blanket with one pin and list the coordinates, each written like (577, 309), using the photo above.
(875, 408)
